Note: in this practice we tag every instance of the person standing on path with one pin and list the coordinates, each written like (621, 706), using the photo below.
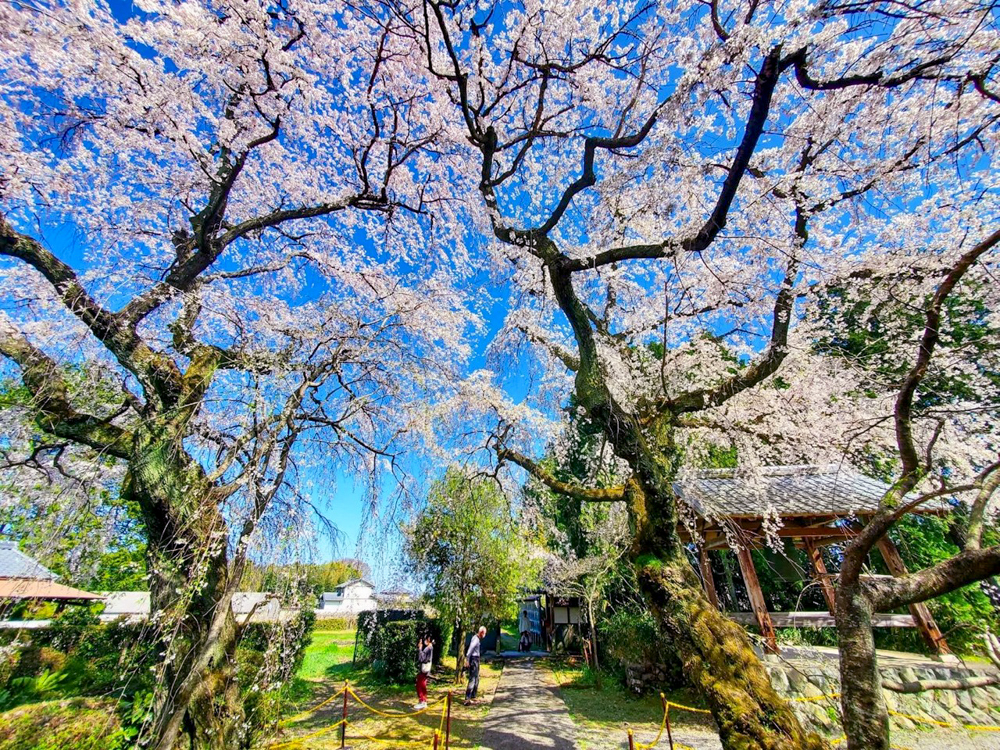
(472, 657)
(425, 657)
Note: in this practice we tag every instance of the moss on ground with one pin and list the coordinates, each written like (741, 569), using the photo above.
(79, 723)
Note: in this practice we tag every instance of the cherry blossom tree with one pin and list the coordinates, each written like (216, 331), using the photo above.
(666, 187)
(232, 212)
(920, 415)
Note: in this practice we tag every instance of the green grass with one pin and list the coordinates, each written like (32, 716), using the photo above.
(612, 705)
(328, 657)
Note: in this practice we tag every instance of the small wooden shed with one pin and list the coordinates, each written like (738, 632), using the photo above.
(814, 506)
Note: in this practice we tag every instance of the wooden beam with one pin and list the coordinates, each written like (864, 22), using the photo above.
(757, 599)
(921, 614)
(820, 573)
(707, 579)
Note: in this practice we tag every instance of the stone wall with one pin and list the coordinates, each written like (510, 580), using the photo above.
(804, 683)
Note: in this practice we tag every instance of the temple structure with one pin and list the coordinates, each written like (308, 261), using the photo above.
(813, 506)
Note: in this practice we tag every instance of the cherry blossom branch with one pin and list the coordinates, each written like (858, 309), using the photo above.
(764, 86)
(55, 413)
(586, 494)
(158, 375)
(765, 366)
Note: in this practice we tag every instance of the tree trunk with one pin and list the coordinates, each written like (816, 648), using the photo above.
(866, 717)
(719, 660)
(715, 652)
(196, 703)
(459, 654)
(593, 634)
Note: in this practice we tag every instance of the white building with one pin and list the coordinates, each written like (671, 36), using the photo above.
(134, 606)
(348, 599)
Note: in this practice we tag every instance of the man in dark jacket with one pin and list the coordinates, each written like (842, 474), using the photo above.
(472, 657)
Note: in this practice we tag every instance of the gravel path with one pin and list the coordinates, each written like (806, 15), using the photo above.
(527, 712)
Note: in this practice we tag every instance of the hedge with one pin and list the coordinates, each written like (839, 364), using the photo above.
(391, 638)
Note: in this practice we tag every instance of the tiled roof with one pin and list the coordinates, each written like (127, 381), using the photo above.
(788, 491)
(16, 564)
(33, 588)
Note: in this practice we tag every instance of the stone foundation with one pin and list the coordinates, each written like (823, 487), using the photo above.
(800, 680)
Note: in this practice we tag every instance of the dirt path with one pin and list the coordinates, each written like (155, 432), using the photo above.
(527, 712)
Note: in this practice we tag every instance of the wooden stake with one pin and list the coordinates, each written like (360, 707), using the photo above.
(666, 719)
(757, 599)
(921, 615)
(631, 741)
(820, 573)
(447, 725)
(343, 727)
(707, 578)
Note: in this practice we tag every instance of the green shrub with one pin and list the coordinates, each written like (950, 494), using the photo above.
(390, 639)
(630, 637)
(70, 627)
(334, 623)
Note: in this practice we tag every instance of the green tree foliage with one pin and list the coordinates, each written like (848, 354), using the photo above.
(467, 548)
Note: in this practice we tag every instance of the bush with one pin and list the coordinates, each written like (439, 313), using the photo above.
(70, 627)
(390, 641)
(394, 650)
(629, 637)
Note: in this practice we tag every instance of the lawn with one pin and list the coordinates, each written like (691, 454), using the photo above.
(310, 720)
(608, 713)
(328, 656)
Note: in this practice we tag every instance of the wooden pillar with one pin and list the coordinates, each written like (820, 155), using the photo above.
(921, 614)
(757, 599)
(820, 573)
(707, 579)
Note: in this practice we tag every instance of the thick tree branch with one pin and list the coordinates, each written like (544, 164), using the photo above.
(610, 494)
(928, 343)
(920, 686)
(964, 568)
(157, 373)
(54, 412)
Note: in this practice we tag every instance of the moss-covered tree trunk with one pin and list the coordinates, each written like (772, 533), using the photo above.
(196, 703)
(716, 653)
(866, 716)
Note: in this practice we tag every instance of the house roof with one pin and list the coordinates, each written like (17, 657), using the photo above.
(786, 491)
(16, 564)
(355, 581)
(34, 588)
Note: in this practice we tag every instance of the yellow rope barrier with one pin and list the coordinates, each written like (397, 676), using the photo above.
(667, 705)
(395, 714)
(949, 724)
(823, 697)
(646, 746)
(316, 708)
(297, 740)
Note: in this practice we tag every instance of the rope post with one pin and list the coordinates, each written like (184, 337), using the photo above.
(631, 740)
(666, 720)
(343, 727)
(447, 726)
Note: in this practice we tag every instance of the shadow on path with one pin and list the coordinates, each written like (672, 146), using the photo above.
(527, 712)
